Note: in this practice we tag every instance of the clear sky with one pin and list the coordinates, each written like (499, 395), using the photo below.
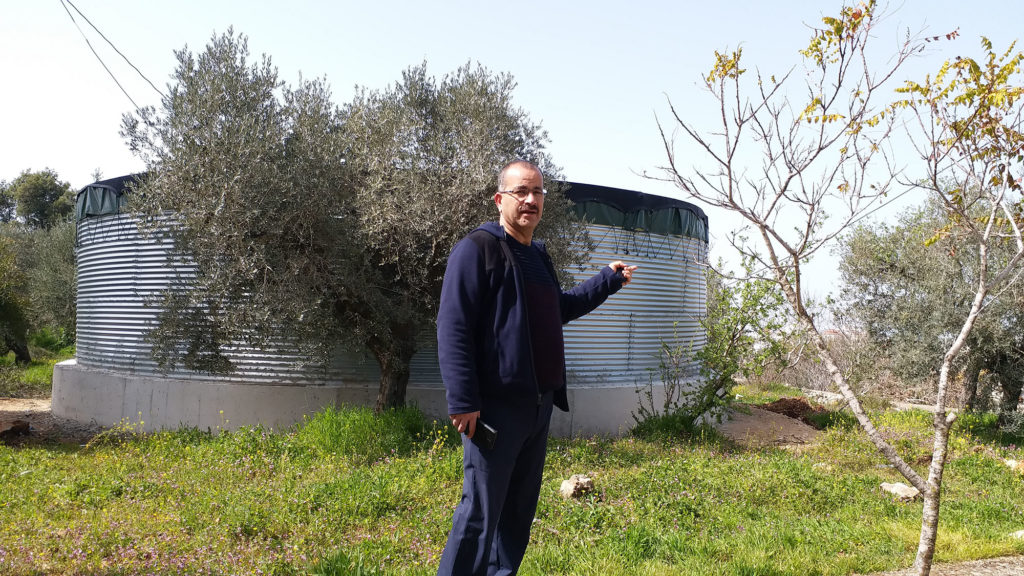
(596, 74)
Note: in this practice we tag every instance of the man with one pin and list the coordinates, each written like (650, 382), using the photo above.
(499, 334)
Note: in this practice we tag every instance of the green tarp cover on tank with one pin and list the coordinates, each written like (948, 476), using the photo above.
(103, 197)
(626, 209)
(637, 211)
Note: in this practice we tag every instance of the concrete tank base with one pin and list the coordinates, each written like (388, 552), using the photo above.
(111, 398)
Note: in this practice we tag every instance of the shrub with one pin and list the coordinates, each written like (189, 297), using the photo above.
(744, 328)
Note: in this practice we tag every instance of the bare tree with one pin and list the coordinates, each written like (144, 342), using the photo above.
(968, 134)
(828, 163)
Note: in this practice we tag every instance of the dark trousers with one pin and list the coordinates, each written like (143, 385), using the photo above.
(500, 487)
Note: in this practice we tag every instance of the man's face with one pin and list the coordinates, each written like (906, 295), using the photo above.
(521, 215)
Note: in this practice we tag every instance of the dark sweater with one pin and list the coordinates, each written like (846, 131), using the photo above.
(484, 341)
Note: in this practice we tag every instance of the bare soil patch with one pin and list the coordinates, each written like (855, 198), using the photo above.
(798, 408)
(756, 427)
(30, 420)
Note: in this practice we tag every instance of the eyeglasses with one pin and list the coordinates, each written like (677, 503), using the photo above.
(520, 194)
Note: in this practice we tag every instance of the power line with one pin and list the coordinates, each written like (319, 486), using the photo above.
(115, 48)
(104, 64)
(65, 4)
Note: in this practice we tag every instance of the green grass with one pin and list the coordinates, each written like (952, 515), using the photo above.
(763, 392)
(33, 380)
(349, 493)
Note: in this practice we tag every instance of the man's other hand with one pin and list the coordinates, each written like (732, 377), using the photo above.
(465, 423)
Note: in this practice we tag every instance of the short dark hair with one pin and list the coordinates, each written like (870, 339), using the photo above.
(516, 162)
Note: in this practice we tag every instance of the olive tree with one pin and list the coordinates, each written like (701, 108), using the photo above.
(907, 284)
(52, 280)
(13, 317)
(8, 205)
(422, 160)
(317, 226)
(35, 220)
(821, 139)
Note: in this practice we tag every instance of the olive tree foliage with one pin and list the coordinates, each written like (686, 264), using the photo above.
(13, 318)
(36, 222)
(314, 226)
(8, 205)
(422, 158)
(251, 174)
(824, 163)
(908, 284)
(52, 280)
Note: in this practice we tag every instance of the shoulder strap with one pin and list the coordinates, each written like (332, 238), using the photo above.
(485, 237)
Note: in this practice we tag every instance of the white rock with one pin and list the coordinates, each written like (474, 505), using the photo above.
(902, 492)
(1019, 535)
(576, 486)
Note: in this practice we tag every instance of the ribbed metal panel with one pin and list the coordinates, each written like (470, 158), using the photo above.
(122, 273)
(619, 344)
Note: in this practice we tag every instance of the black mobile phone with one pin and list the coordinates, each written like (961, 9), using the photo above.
(485, 435)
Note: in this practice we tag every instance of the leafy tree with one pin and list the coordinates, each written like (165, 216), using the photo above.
(316, 226)
(908, 285)
(42, 199)
(8, 206)
(423, 158)
(13, 321)
(52, 280)
(46, 275)
(826, 163)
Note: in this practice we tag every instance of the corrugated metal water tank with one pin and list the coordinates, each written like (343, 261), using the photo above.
(619, 344)
(121, 274)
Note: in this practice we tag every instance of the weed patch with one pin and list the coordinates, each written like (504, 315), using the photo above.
(31, 381)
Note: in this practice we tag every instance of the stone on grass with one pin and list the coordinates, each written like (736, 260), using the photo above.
(1019, 535)
(577, 485)
(902, 492)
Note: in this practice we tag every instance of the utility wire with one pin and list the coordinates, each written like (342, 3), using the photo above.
(114, 47)
(65, 4)
(104, 64)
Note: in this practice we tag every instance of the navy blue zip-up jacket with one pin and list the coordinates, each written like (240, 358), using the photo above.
(483, 339)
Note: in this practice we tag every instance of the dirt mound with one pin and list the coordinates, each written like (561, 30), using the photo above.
(798, 408)
(750, 426)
